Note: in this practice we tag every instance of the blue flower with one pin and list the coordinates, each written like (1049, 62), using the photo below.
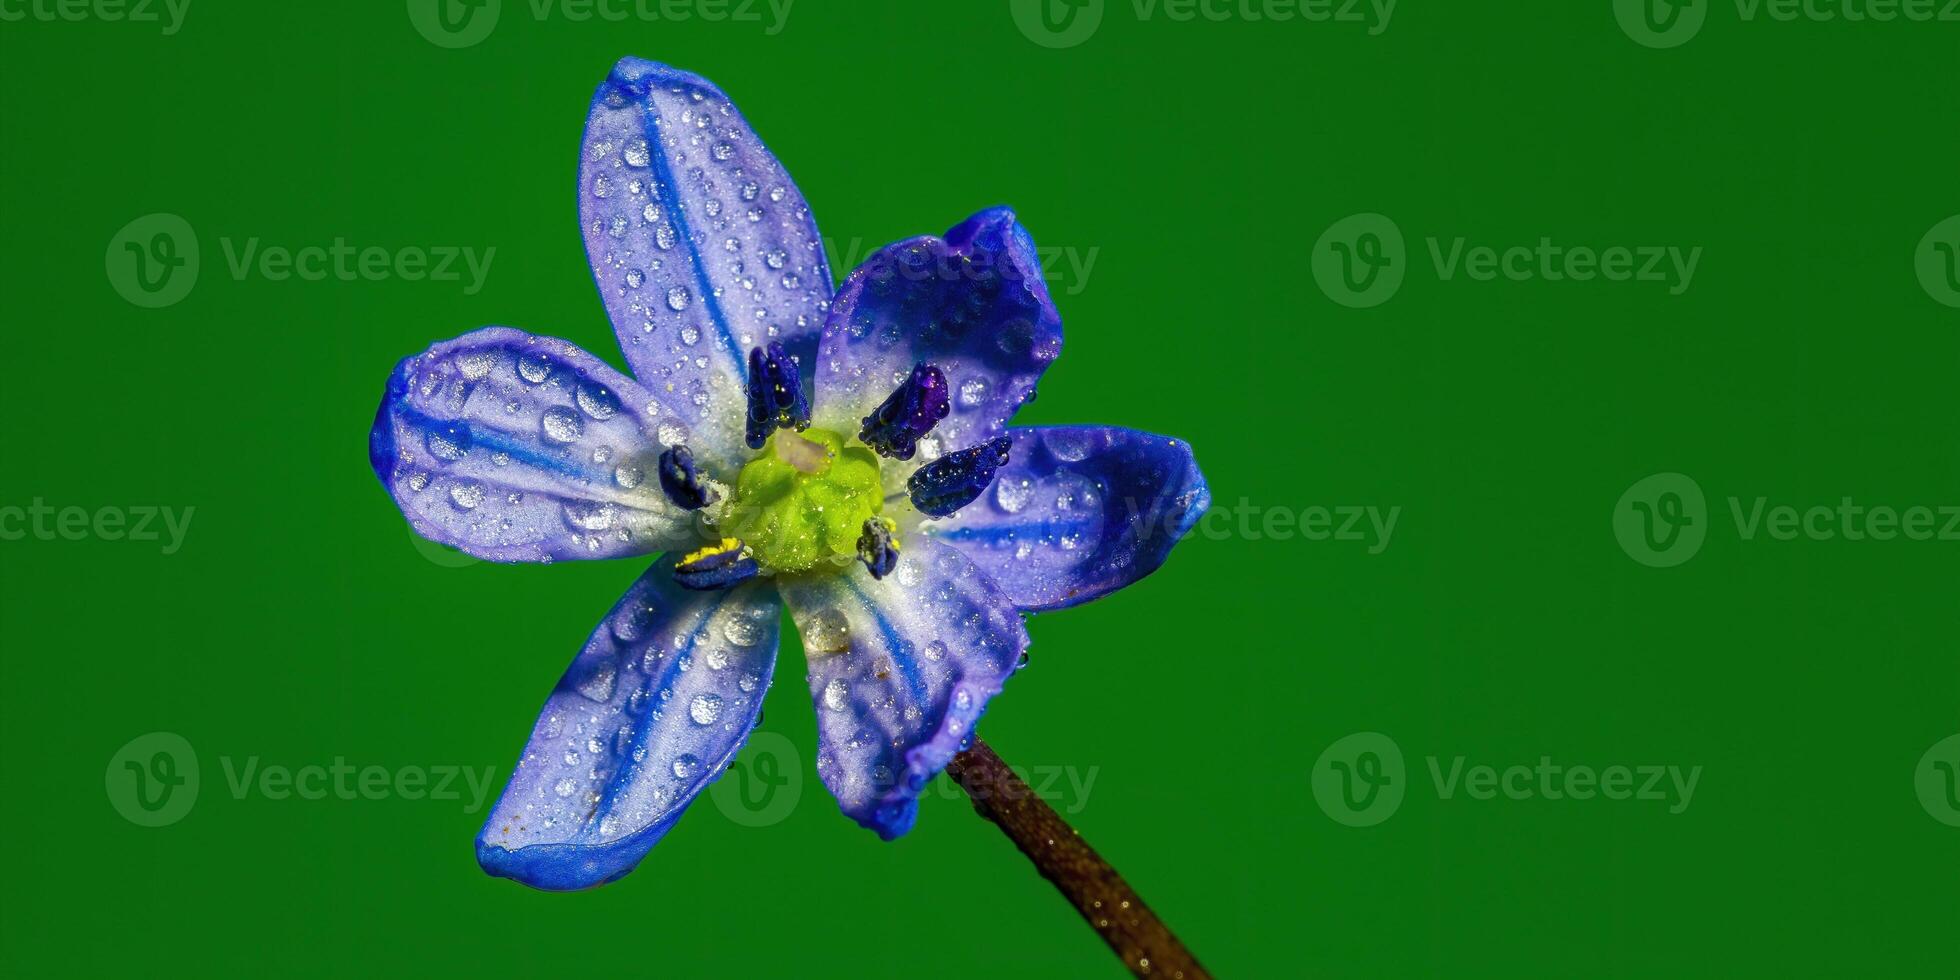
(845, 454)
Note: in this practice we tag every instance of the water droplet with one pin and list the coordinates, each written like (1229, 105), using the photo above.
(561, 424)
(534, 368)
(589, 515)
(449, 443)
(1012, 495)
(628, 476)
(973, 392)
(1068, 445)
(826, 631)
(476, 364)
(566, 787)
(635, 278)
(599, 685)
(466, 496)
(663, 236)
(597, 400)
(686, 766)
(723, 151)
(636, 153)
(705, 708)
(836, 695)
(741, 632)
(677, 298)
(934, 651)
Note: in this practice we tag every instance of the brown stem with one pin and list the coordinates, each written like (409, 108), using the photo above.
(1111, 907)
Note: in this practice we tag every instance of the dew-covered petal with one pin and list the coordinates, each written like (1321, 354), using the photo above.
(519, 448)
(662, 697)
(1079, 512)
(700, 244)
(972, 304)
(901, 668)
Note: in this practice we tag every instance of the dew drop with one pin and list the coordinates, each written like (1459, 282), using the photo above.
(466, 496)
(826, 631)
(677, 298)
(836, 695)
(704, 709)
(562, 425)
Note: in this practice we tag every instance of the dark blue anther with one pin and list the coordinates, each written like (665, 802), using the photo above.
(776, 398)
(895, 428)
(680, 480)
(717, 566)
(876, 548)
(952, 481)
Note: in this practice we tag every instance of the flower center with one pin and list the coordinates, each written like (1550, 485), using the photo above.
(805, 498)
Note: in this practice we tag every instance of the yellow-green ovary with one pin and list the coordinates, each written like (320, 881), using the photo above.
(803, 499)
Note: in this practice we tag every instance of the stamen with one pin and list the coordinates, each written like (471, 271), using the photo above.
(907, 414)
(680, 480)
(877, 548)
(940, 488)
(717, 566)
(776, 398)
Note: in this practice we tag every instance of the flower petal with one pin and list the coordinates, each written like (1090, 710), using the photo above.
(517, 448)
(1079, 512)
(661, 698)
(901, 668)
(973, 304)
(701, 246)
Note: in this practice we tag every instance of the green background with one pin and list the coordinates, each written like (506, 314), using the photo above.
(1199, 161)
